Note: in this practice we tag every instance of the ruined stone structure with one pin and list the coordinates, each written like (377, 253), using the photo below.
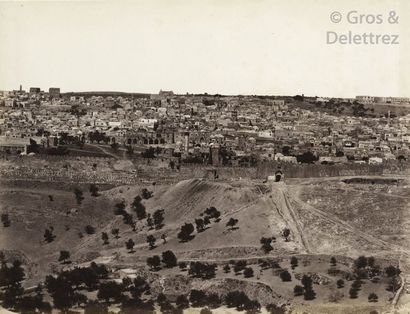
(150, 137)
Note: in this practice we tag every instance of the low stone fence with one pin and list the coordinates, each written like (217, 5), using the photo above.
(54, 170)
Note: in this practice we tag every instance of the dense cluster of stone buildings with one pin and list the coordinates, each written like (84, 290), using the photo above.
(229, 130)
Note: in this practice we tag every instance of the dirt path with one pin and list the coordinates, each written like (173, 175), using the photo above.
(295, 220)
(279, 201)
(105, 151)
(334, 219)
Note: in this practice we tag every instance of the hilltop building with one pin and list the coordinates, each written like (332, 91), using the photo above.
(54, 92)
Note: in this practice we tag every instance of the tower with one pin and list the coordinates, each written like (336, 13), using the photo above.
(214, 154)
(186, 141)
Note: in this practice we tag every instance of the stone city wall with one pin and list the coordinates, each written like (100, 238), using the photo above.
(109, 170)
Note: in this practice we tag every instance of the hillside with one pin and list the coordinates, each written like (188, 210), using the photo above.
(318, 230)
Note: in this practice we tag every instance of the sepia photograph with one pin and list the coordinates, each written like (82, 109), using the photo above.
(205, 157)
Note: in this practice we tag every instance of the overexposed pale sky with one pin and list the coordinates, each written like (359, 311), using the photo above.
(275, 47)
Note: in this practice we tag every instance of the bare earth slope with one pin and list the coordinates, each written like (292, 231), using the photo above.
(323, 218)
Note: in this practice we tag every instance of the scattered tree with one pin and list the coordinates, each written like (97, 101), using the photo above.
(361, 262)
(95, 307)
(78, 195)
(392, 271)
(239, 266)
(115, 232)
(248, 272)
(371, 262)
(104, 237)
(48, 235)
(373, 297)
(151, 241)
(10, 280)
(158, 218)
(353, 293)
(115, 147)
(340, 283)
(335, 296)
(154, 262)
(94, 190)
(182, 266)
(357, 284)
(333, 261)
(130, 150)
(298, 290)
(186, 232)
(169, 259)
(119, 208)
(130, 245)
(150, 222)
(146, 194)
(309, 294)
(205, 310)
(213, 213)
(202, 270)
(394, 284)
(266, 244)
(207, 221)
(214, 300)
(306, 281)
(294, 262)
(232, 223)
(240, 301)
(89, 229)
(139, 287)
(276, 309)
(286, 234)
(197, 298)
(64, 256)
(110, 291)
(139, 208)
(164, 238)
(5, 220)
(200, 226)
(285, 276)
(182, 302)
(61, 291)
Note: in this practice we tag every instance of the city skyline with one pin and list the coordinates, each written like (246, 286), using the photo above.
(91, 92)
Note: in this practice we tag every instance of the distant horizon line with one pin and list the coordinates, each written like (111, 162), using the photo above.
(204, 93)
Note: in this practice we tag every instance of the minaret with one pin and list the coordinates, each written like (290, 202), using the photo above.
(186, 141)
